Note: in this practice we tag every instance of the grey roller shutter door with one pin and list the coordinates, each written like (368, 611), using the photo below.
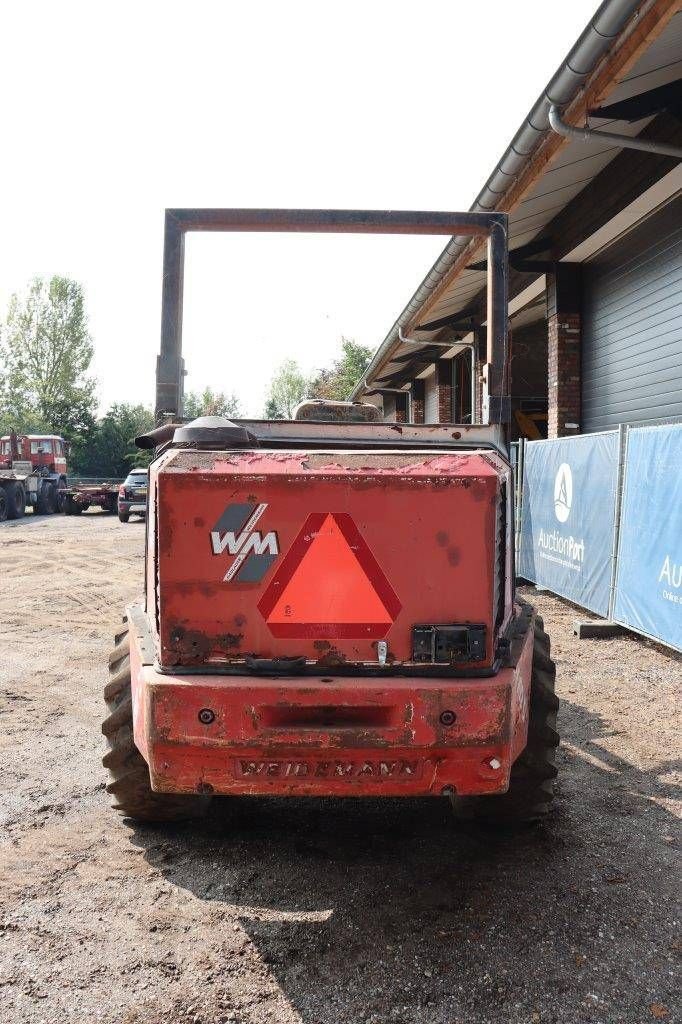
(632, 326)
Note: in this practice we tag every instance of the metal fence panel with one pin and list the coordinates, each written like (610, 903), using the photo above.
(568, 514)
(649, 575)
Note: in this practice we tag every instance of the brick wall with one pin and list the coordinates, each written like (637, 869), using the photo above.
(444, 380)
(418, 394)
(563, 365)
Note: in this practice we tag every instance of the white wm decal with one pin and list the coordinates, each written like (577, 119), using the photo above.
(243, 543)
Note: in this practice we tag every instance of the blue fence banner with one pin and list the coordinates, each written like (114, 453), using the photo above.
(568, 516)
(649, 577)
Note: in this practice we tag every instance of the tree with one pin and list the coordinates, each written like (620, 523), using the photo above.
(287, 388)
(111, 450)
(337, 382)
(211, 403)
(46, 351)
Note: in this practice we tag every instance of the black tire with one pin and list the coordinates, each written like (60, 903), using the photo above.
(3, 505)
(123, 517)
(531, 787)
(46, 503)
(61, 495)
(127, 769)
(16, 500)
(71, 507)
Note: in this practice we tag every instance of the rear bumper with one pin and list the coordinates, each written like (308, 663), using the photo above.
(344, 737)
(132, 507)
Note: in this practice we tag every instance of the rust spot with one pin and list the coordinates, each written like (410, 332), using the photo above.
(454, 555)
(199, 522)
(456, 434)
(332, 657)
(321, 645)
(441, 538)
(239, 620)
(190, 643)
(229, 640)
(252, 498)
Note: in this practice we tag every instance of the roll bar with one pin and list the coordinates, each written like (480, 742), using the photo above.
(170, 367)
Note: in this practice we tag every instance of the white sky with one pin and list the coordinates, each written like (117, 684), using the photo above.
(113, 112)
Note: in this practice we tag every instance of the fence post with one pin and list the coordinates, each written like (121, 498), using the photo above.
(518, 496)
(620, 484)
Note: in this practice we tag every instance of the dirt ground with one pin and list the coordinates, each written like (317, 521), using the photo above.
(320, 912)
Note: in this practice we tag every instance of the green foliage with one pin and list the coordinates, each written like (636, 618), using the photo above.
(211, 403)
(111, 451)
(46, 351)
(337, 382)
(287, 388)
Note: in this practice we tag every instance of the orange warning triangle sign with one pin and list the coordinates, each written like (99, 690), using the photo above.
(329, 585)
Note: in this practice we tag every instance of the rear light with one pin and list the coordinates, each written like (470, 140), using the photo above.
(449, 644)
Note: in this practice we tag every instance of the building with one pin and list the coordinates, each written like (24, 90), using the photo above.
(595, 252)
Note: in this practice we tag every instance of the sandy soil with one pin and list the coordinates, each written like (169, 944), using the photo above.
(312, 912)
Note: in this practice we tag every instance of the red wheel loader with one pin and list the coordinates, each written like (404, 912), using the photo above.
(330, 603)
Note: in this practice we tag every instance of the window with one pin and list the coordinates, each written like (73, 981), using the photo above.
(137, 480)
(41, 447)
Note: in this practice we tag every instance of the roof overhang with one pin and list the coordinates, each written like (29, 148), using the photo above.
(628, 48)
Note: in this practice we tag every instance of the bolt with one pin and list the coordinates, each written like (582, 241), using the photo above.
(206, 716)
(448, 718)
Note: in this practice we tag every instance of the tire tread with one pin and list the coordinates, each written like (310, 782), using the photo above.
(128, 772)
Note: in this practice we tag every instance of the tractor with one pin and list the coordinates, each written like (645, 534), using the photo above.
(330, 605)
(32, 472)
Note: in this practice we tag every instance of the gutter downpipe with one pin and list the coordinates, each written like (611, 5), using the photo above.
(569, 131)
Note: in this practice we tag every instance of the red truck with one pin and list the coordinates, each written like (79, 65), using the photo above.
(330, 604)
(32, 473)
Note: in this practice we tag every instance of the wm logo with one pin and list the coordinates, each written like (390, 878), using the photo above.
(253, 551)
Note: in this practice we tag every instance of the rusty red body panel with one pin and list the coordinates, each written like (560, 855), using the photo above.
(420, 528)
(326, 735)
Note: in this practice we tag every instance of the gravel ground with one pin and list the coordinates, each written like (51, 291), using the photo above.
(313, 912)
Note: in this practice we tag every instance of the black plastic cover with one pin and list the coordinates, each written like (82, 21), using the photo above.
(214, 432)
